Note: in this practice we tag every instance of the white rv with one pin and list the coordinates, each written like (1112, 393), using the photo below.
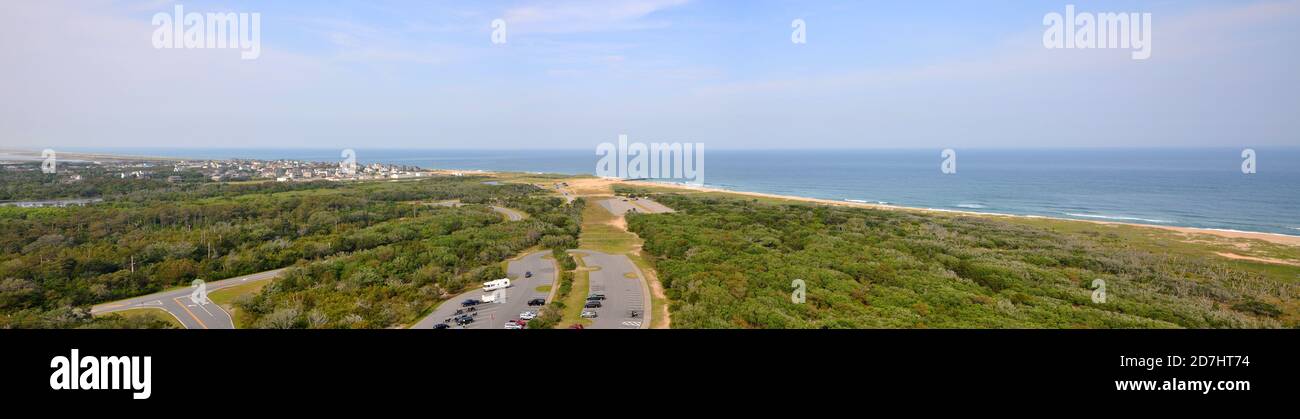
(497, 284)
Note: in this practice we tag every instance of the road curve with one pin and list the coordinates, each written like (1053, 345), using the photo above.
(177, 302)
(511, 215)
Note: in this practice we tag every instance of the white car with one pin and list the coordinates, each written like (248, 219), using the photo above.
(527, 315)
(513, 325)
(588, 314)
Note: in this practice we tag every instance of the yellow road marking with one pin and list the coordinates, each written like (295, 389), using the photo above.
(187, 310)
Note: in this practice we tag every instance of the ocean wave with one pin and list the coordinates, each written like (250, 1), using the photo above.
(867, 202)
(971, 206)
(1116, 217)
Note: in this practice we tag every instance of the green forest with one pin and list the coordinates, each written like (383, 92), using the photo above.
(366, 254)
(731, 262)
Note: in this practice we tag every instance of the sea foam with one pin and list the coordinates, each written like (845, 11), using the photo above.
(1116, 217)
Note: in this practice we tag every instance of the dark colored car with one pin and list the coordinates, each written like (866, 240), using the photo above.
(537, 302)
(595, 297)
(592, 304)
(528, 274)
(470, 302)
(441, 326)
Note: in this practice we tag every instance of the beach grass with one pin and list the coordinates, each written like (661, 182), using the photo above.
(226, 298)
(577, 298)
(600, 233)
(151, 313)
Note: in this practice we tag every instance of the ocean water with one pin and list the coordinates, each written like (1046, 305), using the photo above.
(1177, 187)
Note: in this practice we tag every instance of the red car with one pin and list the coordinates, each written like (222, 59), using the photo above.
(522, 322)
(576, 327)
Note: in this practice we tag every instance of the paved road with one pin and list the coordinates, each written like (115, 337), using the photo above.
(493, 315)
(623, 296)
(510, 214)
(620, 206)
(177, 303)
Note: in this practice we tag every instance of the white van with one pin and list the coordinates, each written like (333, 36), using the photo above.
(497, 284)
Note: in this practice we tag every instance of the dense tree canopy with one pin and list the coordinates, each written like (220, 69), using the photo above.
(730, 263)
(58, 261)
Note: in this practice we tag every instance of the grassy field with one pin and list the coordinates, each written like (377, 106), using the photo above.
(154, 313)
(226, 298)
(577, 297)
(600, 233)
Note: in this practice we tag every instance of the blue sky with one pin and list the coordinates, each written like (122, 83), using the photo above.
(873, 74)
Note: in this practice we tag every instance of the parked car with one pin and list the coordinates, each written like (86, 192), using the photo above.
(522, 322)
(588, 314)
(577, 327)
(537, 302)
(596, 296)
(441, 326)
(470, 302)
(528, 274)
(528, 315)
(513, 326)
(592, 304)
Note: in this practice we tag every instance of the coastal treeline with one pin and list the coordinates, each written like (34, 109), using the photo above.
(59, 261)
(28, 182)
(733, 263)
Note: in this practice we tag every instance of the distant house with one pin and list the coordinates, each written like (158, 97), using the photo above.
(174, 179)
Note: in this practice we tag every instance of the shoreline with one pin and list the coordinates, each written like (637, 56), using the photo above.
(35, 155)
(1276, 238)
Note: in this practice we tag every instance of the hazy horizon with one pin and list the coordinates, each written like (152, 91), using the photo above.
(575, 73)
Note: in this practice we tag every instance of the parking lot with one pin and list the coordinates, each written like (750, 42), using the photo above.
(621, 205)
(495, 315)
(625, 301)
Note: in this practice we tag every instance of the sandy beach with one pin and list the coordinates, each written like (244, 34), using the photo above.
(1268, 237)
(69, 156)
